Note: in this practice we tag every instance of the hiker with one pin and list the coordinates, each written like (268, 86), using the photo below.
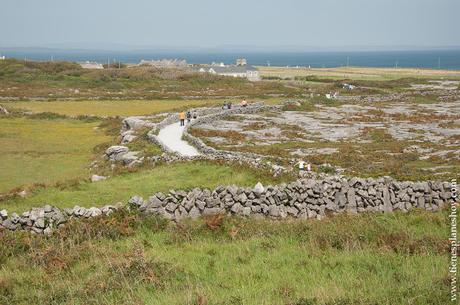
(224, 106)
(195, 115)
(182, 118)
(229, 105)
(189, 116)
(301, 164)
(244, 103)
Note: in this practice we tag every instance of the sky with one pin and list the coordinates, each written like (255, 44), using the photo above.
(215, 23)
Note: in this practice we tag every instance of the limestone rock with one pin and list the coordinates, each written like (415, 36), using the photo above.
(96, 178)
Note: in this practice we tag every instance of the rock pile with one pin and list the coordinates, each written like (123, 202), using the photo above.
(44, 220)
(130, 125)
(304, 198)
(123, 154)
(3, 111)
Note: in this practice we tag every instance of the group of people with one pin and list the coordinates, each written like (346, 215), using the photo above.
(228, 105)
(186, 115)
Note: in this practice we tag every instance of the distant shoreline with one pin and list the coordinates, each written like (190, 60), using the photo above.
(419, 59)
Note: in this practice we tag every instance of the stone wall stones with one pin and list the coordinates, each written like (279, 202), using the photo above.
(303, 198)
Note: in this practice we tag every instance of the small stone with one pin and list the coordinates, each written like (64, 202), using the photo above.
(194, 213)
(40, 223)
(211, 211)
(93, 212)
(273, 210)
(258, 188)
(97, 178)
(48, 231)
(136, 201)
(171, 207)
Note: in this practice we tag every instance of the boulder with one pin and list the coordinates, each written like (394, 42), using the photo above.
(116, 150)
(3, 111)
(136, 201)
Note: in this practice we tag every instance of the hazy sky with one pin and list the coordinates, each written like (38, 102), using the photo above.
(210, 23)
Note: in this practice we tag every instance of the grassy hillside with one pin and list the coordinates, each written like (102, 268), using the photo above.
(52, 80)
(366, 259)
(114, 108)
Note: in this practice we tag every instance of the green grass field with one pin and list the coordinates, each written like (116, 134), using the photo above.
(112, 108)
(359, 73)
(144, 183)
(355, 260)
(45, 151)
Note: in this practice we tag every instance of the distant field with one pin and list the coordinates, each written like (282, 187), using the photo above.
(45, 151)
(107, 108)
(144, 183)
(359, 73)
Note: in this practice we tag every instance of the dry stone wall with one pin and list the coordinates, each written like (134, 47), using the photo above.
(304, 198)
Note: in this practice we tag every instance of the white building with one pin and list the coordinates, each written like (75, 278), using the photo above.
(239, 70)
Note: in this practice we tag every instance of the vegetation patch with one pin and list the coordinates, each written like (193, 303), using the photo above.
(132, 259)
(144, 182)
(45, 151)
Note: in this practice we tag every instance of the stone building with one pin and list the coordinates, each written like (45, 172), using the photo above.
(241, 69)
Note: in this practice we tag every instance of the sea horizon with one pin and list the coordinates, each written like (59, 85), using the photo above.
(448, 59)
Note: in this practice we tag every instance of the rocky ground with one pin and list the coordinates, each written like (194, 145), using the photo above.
(427, 128)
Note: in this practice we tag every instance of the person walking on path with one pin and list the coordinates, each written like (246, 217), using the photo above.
(189, 116)
(182, 118)
(195, 115)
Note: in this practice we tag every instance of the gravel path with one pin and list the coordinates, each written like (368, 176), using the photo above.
(171, 136)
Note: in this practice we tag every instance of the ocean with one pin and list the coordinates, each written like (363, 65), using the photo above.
(430, 59)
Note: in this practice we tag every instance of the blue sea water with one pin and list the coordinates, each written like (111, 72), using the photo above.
(431, 59)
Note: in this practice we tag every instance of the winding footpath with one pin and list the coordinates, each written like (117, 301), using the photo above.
(171, 136)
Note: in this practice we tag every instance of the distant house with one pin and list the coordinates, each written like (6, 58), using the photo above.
(241, 62)
(239, 70)
(91, 65)
(2, 57)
